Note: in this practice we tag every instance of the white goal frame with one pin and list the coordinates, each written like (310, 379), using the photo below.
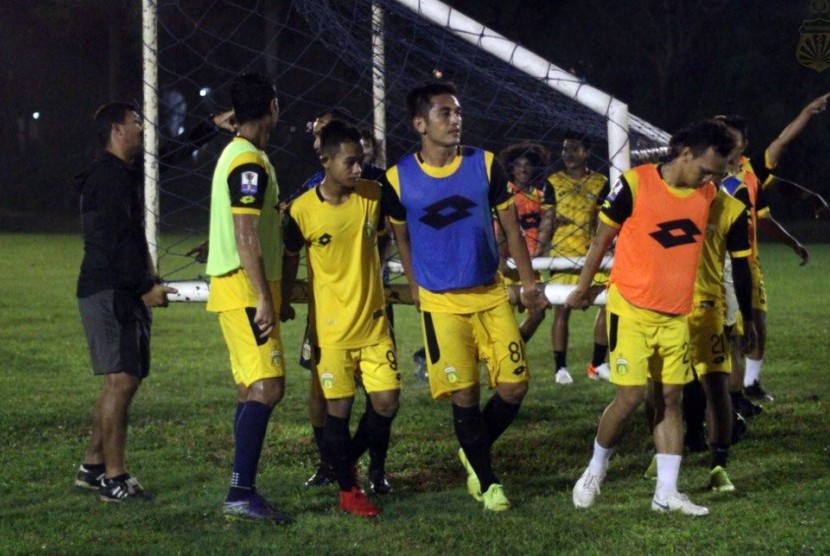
(619, 121)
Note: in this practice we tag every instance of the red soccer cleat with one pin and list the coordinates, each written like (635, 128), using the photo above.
(355, 502)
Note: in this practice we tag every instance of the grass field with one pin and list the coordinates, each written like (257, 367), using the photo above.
(180, 443)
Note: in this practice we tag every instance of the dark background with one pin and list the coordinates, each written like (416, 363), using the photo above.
(672, 61)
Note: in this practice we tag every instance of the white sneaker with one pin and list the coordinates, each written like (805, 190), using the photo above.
(679, 503)
(603, 372)
(563, 376)
(586, 489)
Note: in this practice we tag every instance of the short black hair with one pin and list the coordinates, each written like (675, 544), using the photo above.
(336, 113)
(335, 134)
(572, 135)
(251, 96)
(699, 137)
(419, 99)
(736, 122)
(534, 152)
(107, 115)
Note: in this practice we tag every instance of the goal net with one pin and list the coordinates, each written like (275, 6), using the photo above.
(362, 56)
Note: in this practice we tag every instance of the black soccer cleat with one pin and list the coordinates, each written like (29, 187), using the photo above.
(739, 427)
(379, 482)
(324, 475)
(123, 488)
(755, 392)
(89, 479)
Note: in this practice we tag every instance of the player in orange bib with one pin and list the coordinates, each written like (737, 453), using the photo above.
(658, 214)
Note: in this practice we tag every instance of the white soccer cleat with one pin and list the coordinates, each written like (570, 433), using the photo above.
(679, 503)
(563, 376)
(586, 489)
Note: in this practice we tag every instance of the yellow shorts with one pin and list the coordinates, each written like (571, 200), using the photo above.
(709, 348)
(759, 293)
(377, 366)
(252, 358)
(641, 350)
(455, 343)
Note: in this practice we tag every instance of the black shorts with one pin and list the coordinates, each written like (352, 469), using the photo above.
(117, 330)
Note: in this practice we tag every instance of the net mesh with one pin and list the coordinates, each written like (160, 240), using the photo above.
(319, 52)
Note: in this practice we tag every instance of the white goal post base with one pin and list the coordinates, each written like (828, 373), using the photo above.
(563, 263)
(198, 290)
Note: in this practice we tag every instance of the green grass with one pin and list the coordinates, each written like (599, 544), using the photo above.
(180, 443)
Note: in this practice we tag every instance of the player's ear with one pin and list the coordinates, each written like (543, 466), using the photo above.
(420, 124)
(324, 160)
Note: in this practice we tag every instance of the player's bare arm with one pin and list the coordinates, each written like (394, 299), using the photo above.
(546, 228)
(773, 227)
(405, 251)
(581, 297)
(531, 295)
(250, 254)
(795, 127)
(290, 264)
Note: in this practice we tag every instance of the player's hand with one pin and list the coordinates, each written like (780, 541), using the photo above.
(818, 105)
(533, 298)
(820, 207)
(578, 299)
(157, 296)
(200, 252)
(287, 312)
(802, 252)
(226, 121)
(749, 340)
(264, 317)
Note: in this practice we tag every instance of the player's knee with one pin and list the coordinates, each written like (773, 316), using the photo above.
(269, 391)
(513, 392)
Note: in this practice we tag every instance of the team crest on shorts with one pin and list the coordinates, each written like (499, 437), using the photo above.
(275, 357)
(452, 375)
(327, 380)
(622, 366)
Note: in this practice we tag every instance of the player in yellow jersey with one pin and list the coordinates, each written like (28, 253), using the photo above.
(748, 378)
(244, 263)
(576, 193)
(338, 222)
(727, 232)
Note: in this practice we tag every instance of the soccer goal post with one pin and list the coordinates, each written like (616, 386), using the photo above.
(362, 56)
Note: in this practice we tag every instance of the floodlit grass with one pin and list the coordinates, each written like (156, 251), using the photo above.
(180, 443)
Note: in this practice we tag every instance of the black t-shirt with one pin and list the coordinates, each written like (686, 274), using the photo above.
(112, 215)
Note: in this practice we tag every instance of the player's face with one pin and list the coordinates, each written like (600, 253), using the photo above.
(131, 132)
(523, 171)
(700, 170)
(442, 124)
(317, 128)
(574, 154)
(740, 145)
(345, 167)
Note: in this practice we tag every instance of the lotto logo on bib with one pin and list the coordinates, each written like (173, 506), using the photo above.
(327, 380)
(622, 366)
(452, 375)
